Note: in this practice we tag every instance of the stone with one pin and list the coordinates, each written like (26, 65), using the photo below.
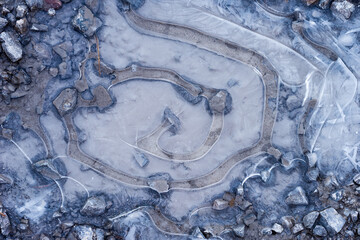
(84, 232)
(277, 228)
(11, 18)
(11, 46)
(274, 152)
(5, 225)
(265, 175)
(331, 182)
(66, 101)
(310, 2)
(313, 174)
(220, 204)
(51, 12)
(94, 206)
(39, 27)
(310, 218)
(319, 231)
(249, 219)
(53, 71)
(297, 228)
(85, 22)
(297, 197)
(52, 4)
(44, 237)
(244, 204)
(34, 4)
(141, 159)
(93, 5)
(160, 185)
(324, 4)
(47, 169)
(198, 234)
(239, 230)
(65, 70)
(228, 197)
(21, 25)
(332, 220)
(287, 221)
(342, 8)
(21, 11)
(63, 49)
(173, 120)
(266, 231)
(354, 215)
(356, 179)
(337, 195)
(3, 23)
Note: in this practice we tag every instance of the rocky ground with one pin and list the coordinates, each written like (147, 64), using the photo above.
(44, 41)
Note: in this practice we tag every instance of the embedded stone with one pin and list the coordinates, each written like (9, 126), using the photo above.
(94, 206)
(239, 230)
(11, 46)
(297, 197)
(85, 22)
(319, 231)
(310, 219)
(220, 204)
(332, 220)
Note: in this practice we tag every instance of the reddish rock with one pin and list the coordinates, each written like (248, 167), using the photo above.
(55, 4)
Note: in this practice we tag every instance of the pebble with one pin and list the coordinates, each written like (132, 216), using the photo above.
(319, 231)
(343, 8)
(297, 197)
(297, 228)
(94, 206)
(220, 204)
(11, 46)
(239, 230)
(332, 220)
(310, 219)
(277, 228)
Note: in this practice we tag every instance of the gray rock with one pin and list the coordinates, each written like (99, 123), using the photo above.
(313, 174)
(287, 221)
(21, 25)
(356, 179)
(324, 4)
(343, 8)
(319, 231)
(85, 22)
(65, 70)
(47, 169)
(53, 72)
(249, 219)
(141, 159)
(44, 237)
(297, 228)
(266, 231)
(292, 102)
(265, 175)
(21, 11)
(198, 234)
(354, 215)
(160, 185)
(51, 12)
(5, 226)
(228, 196)
(63, 49)
(94, 206)
(11, 18)
(66, 101)
(220, 204)
(11, 46)
(277, 228)
(331, 182)
(39, 27)
(332, 220)
(310, 219)
(34, 4)
(84, 232)
(93, 5)
(297, 197)
(240, 190)
(274, 152)
(172, 119)
(3, 23)
(337, 195)
(239, 230)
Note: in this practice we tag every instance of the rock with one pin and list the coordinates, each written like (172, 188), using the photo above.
(141, 159)
(21, 25)
(297, 228)
(21, 11)
(310, 2)
(47, 169)
(265, 175)
(34, 4)
(354, 215)
(3, 23)
(350, 234)
(287, 221)
(160, 185)
(66, 101)
(310, 219)
(54, 4)
(239, 230)
(198, 234)
(63, 49)
(53, 72)
(356, 179)
(313, 174)
(332, 220)
(266, 231)
(94, 206)
(65, 70)
(342, 8)
(39, 27)
(5, 226)
(337, 195)
(11, 46)
(331, 182)
(274, 152)
(85, 22)
(292, 103)
(319, 231)
(297, 197)
(11, 18)
(228, 197)
(44, 237)
(244, 204)
(51, 12)
(249, 219)
(4, 11)
(93, 5)
(84, 232)
(172, 119)
(277, 228)
(220, 204)
(324, 4)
